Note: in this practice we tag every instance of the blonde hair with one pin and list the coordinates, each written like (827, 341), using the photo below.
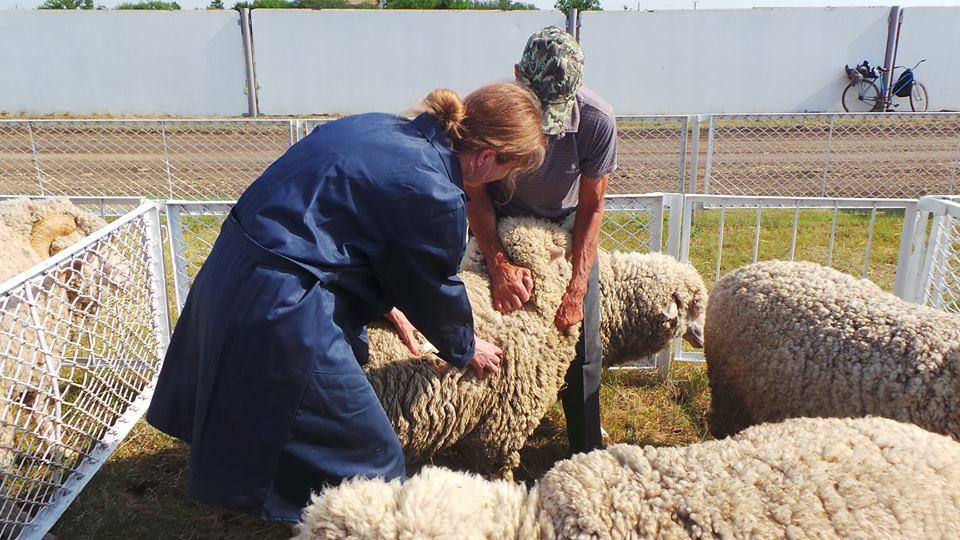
(503, 117)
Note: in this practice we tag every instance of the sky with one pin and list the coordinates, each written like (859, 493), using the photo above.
(617, 5)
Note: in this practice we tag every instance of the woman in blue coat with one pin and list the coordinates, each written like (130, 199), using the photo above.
(365, 215)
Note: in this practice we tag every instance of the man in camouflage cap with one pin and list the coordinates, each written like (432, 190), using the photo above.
(568, 188)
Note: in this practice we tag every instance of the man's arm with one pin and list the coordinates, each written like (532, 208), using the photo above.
(586, 239)
(510, 285)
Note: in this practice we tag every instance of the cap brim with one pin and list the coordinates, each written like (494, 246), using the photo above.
(556, 115)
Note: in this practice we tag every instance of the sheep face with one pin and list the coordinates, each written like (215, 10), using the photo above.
(648, 300)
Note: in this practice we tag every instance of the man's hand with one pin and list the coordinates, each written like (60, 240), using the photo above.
(486, 357)
(406, 330)
(570, 311)
(510, 286)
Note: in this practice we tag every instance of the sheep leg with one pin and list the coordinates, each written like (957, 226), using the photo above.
(728, 414)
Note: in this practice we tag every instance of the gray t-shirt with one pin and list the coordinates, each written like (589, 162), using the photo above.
(587, 148)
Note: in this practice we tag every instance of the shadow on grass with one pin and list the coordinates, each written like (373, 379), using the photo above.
(142, 493)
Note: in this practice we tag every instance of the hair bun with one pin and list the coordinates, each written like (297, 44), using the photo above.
(447, 107)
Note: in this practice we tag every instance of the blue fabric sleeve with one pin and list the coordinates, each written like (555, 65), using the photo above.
(419, 274)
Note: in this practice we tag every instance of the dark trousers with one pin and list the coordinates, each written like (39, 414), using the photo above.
(581, 395)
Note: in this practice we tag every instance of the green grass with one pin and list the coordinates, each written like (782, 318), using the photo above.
(141, 492)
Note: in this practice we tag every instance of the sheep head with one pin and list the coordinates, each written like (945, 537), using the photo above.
(647, 300)
(52, 233)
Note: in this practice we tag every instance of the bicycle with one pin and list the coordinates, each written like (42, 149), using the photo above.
(862, 94)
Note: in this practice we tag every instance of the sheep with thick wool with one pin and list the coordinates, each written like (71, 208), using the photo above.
(647, 301)
(792, 339)
(802, 478)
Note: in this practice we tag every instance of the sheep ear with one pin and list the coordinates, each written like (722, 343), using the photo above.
(555, 253)
(671, 310)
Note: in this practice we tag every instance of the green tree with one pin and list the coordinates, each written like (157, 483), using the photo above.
(263, 4)
(67, 4)
(579, 5)
(158, 5)
(215, 4)
(506, 5)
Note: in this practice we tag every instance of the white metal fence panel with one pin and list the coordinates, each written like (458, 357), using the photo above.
(194, 227)
(934, 263)
(722, 233)
(82, 336)
(873, 155)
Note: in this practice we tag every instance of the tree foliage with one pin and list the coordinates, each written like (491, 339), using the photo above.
(67, 4)
(215, 4)
(157, 5)
(579, 5)
(505, 5)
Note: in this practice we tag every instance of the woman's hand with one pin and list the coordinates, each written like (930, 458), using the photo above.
(486, 357)
(511, 286)
(406, 330)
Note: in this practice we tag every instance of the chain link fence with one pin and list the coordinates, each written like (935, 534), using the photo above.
(81, 340)
(799, 155)
(182, 159)
(832, 155)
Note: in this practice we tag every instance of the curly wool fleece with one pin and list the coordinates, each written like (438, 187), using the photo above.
(803, 478)
(792, 339)
(647, 301)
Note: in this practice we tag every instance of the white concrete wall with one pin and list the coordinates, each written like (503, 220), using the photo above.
(344, 61)
(121, 62)
(729, 61)
(933, 33)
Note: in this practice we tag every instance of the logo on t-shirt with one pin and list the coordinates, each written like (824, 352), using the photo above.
(574, 168)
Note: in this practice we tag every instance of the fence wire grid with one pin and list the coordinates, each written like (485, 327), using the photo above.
(80, 341)
(833, 155)
(894, 155)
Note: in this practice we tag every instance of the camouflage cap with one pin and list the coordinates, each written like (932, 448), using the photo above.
(552, 66)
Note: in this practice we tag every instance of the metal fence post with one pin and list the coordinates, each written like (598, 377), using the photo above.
(180, 279)
(249, 63)
(826, 159)
(682, 165)
(166, 158)
(158, 280)
(954, 168)
(695, 154)
(911, 253)
(708, 166)
(36, 158)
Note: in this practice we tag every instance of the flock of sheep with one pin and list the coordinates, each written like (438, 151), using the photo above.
(852, 395)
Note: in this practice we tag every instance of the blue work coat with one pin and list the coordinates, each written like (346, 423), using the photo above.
(262, 377)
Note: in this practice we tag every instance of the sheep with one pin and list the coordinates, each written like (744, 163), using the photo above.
(787, 339)
(31, 231)
(802, 478)
(647, 301)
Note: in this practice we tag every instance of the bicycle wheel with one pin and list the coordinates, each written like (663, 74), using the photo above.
(863, 96)
(918, 97)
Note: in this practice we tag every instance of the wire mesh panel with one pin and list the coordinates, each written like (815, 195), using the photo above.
(81, 340)
(862, 237)
(651, 154)
(901, 155)
(194, 227)
(939, 281)
(149, 158)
